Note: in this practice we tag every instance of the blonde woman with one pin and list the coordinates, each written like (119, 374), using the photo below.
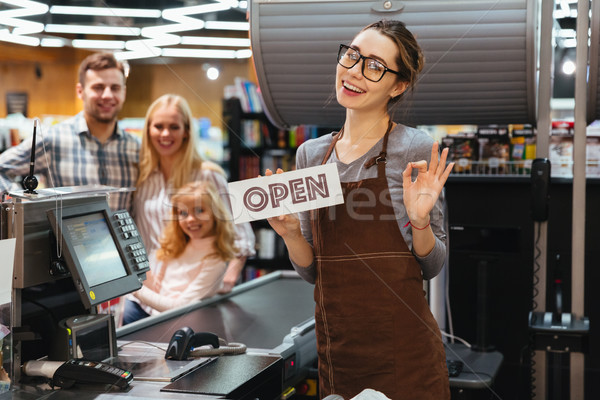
(168, 160)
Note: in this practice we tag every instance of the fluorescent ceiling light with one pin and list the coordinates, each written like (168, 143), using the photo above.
(564, 5)
(106, 11)
(28, 8)
(560, 13)
(191, 25)
(562, 104)
(98, 44)
(228, 26)
(143, 52)
(93, 30)
(6, 36)
(52, 42)
(569, 43)
(214, 41)
(243, 4)
(174, 13)
(155, 39)
(566, 33)
(198, 53)
(246, 53)
(23, 27)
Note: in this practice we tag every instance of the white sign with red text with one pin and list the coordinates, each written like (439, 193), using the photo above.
(290, 192)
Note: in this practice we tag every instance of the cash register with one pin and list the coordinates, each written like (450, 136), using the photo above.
(73, 253)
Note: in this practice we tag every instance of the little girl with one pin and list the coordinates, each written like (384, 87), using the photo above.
(194, 248)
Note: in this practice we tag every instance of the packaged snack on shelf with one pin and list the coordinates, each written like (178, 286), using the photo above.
(494, 149)
(463, 150)
(561, 156)
(561, 149)
(593, 157)
(562, 128)
(522, 148)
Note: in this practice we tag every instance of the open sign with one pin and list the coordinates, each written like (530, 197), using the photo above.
(286, 193)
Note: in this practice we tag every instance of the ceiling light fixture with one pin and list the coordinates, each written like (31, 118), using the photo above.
(245, 53)
(93, 30)
(52, 42)
(173, 14)
(199, 53)
(228, 25)
(212, 72)
(566, 33)
(6, 36)
(568, 67)
(138, 52)
(151, 39)
(28, 8)
(22, 26)
(106, 11)
(98, 44)
(214, 41)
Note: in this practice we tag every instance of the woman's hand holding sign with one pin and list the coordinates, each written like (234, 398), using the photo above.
(288, 227)
(284, 225)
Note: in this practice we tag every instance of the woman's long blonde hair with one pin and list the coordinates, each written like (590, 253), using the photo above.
(174, 239)
(189, 161)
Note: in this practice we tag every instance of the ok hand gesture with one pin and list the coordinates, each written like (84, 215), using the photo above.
(421, 194)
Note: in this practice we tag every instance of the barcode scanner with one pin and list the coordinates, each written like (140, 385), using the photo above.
(184, 340)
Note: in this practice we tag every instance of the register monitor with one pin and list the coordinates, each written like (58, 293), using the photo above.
(102, 250)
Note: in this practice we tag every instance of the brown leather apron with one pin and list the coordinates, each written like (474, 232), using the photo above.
(374, 326)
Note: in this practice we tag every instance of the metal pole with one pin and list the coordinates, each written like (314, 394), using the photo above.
(579, 191)
(544, 123)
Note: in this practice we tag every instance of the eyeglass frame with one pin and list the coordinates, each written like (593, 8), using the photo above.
(363, 58)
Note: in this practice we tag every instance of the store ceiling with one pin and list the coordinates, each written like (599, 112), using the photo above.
(177, 29)
(232, 14)
(133, 29)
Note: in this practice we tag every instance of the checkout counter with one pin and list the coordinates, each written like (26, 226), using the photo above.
(271, 315)
(62, 269)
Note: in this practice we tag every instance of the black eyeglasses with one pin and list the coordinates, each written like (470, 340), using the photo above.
(374, 71)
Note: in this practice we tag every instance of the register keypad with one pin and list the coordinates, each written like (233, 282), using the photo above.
(135, 250)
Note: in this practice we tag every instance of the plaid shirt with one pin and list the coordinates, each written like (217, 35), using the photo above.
(74, 157)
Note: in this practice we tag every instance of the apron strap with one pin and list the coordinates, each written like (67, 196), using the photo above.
(334, 140)
(381, 157)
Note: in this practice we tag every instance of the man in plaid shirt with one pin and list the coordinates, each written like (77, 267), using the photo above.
(88, 148)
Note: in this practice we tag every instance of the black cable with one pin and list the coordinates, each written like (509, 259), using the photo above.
(534, 305)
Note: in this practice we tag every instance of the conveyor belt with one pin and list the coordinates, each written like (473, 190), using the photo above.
(259, 313)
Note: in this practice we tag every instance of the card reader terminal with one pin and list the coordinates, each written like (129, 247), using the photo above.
(75, 371)
(83, 371)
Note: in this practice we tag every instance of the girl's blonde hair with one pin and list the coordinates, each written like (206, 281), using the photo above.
(174, 239)
(189, 161)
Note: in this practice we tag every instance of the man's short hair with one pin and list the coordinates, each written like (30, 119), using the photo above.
(97, 62)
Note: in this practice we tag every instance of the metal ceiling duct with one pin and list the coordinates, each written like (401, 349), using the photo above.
(480, 58)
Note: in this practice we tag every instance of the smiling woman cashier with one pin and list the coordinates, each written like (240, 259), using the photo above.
(368, 256)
